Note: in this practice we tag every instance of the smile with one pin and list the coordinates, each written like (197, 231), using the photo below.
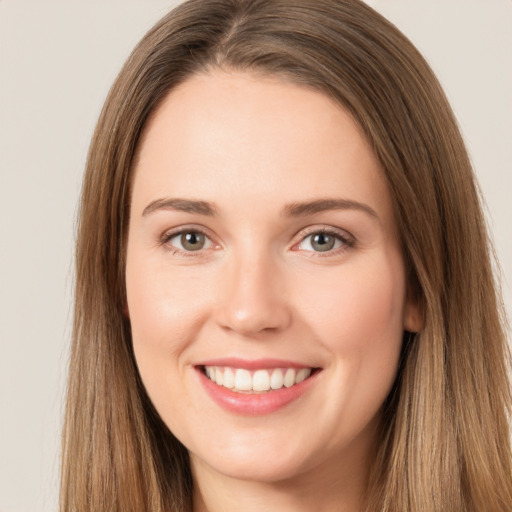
(242, 380)
(255, 387)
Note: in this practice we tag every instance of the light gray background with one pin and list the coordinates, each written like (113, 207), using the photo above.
(57, 61)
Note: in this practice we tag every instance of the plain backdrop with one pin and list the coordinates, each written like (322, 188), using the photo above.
(57, 62)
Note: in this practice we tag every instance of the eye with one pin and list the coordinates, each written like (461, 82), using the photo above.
(324, 241)
(188, 240)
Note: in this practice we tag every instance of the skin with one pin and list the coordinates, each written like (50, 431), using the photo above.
(259, 288)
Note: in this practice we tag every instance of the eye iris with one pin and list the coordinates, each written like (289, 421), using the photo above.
(192, 241)
(322, 242)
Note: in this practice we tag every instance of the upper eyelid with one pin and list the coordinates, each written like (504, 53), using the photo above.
(172, 232)
(311, 230)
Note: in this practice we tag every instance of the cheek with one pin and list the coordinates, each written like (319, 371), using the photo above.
(361, 304)
(165, 318)
(163, 306)
(359, 320)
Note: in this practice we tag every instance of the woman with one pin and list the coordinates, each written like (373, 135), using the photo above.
(284, 295)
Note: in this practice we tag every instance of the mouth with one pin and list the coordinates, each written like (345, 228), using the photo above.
(242, 380)
(255, 387)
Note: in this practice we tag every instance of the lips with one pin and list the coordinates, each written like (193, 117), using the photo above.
(255, 387)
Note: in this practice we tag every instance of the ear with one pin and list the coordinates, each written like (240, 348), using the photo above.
(413, 312)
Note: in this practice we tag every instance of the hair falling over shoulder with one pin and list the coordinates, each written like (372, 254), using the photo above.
(445, 439)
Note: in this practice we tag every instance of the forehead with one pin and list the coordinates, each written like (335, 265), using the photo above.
(221, 135)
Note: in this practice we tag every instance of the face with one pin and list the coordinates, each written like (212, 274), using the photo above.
(265, 284)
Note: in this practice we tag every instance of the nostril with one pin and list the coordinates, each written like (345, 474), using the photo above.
(253, 317)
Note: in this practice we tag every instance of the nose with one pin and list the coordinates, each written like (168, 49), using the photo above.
(253, 299)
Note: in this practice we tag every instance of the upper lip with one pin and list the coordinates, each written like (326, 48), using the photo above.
(253, 364)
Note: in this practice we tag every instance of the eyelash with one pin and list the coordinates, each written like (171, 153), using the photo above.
(169, 235)
(346, 240)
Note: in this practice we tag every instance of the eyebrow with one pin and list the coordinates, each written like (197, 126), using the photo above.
(302, 209)
(295, 209)
(183, 205)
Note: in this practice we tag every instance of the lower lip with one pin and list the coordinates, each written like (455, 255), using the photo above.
(257, 403)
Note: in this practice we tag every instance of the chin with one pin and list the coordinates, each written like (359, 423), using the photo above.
(255, 468)
(260, 456)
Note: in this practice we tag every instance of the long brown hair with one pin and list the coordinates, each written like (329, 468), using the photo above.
(444, 442)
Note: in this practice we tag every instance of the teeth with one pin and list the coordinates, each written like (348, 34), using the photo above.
(289, 377)
(229, 378)
(243, 380)
(276, 379)
(259, 381)
(302, 375)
